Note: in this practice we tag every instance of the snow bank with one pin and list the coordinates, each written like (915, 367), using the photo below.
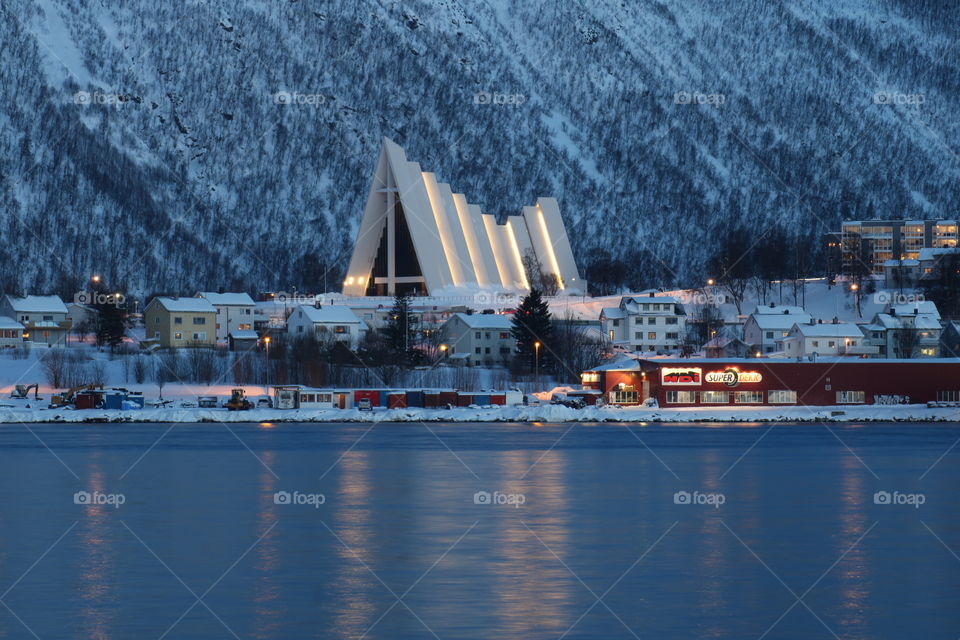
(543, 413)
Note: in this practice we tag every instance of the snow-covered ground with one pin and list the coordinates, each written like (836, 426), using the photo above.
(546, 413)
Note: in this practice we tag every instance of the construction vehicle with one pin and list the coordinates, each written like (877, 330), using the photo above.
(69, 396)
(238, 401)
(22, 391)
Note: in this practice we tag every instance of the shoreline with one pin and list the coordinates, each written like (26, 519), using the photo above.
(466, 415)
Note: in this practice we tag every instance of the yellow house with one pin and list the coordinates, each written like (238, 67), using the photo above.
(181, 322)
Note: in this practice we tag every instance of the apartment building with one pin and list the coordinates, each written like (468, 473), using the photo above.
(874, 242)
(645, 324)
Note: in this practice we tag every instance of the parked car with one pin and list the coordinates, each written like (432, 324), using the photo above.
(364, 404)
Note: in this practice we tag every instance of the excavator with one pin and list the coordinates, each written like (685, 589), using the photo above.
(22, 391)
(67, 397)
(238, 401)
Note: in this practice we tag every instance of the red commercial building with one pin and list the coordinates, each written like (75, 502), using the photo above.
(696, 382)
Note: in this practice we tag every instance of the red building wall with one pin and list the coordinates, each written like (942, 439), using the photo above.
(816, 383)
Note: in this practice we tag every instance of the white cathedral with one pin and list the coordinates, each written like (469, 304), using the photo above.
(418, 236)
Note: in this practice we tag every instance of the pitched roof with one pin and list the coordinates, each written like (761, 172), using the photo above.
(485, 320)
(185, 305)
(37, 304)
(244, 334)
(782, 321)
(780, 309)
(330, 314)
(829, 330)
(227, 299)
(9, 323)
(612, 313)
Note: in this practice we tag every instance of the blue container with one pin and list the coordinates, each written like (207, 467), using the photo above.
(384, 399)
(481, 399)
(135, 399)
(414, 398)
(113, 400)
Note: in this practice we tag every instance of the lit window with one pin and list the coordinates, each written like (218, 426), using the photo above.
(782, 396)
(681, 397)
(715, 397)
(851, 397)
(748, 397)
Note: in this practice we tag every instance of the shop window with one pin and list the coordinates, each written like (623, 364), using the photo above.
(782, 396)
(948, 396)
(625, 396)
(748, 397)
(681, 397)
(851, 397)
(714, 397)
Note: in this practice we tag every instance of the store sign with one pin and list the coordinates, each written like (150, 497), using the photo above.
(733, 377)
(680, 376)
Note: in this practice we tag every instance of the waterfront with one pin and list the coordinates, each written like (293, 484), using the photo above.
(479, 531)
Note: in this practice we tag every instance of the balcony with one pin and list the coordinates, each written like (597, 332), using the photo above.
(868, 350)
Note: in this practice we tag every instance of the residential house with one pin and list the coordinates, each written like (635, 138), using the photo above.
(826, 339)
(243, 340)
(235, 312)
(44, 318)
(767, 324)
(647, 323)
(726, 347)
(11, 332)
(330, 322)
(480, 338)
(180, 322)
(906, 330)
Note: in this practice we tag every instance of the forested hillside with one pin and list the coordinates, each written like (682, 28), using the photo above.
(179, 146)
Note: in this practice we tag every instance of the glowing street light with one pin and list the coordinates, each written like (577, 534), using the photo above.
(266, 342)
(536, 350)
(710, 282)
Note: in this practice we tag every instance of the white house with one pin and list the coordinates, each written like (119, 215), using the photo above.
(766, 325)
(826, 339)
(906, 330)
(44, 318)
(331, 322)
(11, 332)
(648, 323)
(480, 338)
(235, 312)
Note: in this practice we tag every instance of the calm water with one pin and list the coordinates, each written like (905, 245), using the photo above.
(399, 549)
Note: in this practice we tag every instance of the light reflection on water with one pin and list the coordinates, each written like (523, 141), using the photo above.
(595, 501)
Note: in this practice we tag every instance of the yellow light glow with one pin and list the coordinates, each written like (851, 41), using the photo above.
(516, 254)
(492, 228)
(350, 280)
(550, 253)
(476, 258)
(442, 225)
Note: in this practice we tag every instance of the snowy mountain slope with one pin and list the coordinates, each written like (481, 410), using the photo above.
(145, 141)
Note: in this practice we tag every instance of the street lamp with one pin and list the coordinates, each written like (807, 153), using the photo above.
(710, 281)
(266, 342)
(536, 350)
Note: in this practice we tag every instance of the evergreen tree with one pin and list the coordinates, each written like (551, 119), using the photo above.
(401, 330)
(532, 325)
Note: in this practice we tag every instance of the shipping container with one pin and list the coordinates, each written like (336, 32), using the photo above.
(481, 399)
(464, 399)
(448, 398)
(88, 400)
(414, 398)
(397, 400)
(431, 399)
(113, 399)
(369, 394)
(498, 398)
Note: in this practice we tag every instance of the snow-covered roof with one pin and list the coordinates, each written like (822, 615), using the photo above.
(925, 307)
(780, 309)
(37, 304)
(227, 299)
(901, 263)
(648, 298)
(783, 321)
(612, 313)
(922, 321)
(829, 330)
(330, 314)
(185, 305)
(620, 362)
(485, 320)
(9, 323)
(244, 334)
